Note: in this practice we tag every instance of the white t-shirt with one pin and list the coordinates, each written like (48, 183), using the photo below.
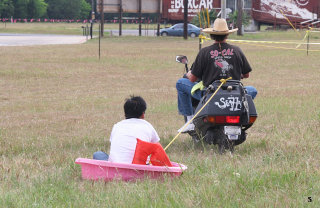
(124, 138)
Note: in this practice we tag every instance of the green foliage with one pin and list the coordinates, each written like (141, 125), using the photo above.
(20, 8)
(203, 22)
(54, 8)
(84, 10)
(36, 8)
(68, 9)
(23, 8)
(6, 8)
(60, 9)
(234, 16)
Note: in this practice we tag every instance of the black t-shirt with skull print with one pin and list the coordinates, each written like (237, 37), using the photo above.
(214, 63)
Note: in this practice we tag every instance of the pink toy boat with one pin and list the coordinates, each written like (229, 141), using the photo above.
(99, 169)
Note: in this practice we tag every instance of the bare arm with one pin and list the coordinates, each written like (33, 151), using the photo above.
(244, 75)
(191, 77)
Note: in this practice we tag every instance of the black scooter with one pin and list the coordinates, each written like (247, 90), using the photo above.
(226, 117)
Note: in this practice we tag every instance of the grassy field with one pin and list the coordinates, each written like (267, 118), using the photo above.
(59, 102)
(67, 28)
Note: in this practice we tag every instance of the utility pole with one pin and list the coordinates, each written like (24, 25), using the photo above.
(159, 17)
(239, 18)
(185, 25)
(120, 18)
(223, 9)
(140, 17)
(101, 18)
(92, 18)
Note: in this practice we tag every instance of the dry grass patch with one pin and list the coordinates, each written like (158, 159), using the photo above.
(60, 102)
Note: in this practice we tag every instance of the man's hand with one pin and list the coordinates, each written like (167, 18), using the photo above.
(191, 77)
(244, 76)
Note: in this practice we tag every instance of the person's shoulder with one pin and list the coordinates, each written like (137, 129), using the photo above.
(144, 122)
(118, 125)
(207, 48)
(233, 46)
(120, 122)
(134, 120)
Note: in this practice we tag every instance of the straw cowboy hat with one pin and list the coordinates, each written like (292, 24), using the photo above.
(220, 27)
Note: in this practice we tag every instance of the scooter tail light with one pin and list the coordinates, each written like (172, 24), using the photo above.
(210, 119)
(233, 119)
(252, 119)
(220, 119)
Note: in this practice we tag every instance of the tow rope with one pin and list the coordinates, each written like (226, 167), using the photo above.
(223, 81)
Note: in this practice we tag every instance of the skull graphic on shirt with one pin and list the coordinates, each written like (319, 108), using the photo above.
(224, 66)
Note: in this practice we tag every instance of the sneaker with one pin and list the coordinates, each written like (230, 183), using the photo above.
(187, 129)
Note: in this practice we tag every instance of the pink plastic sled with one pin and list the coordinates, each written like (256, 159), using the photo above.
(99, 169)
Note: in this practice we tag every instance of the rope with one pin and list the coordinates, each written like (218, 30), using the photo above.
(296, 49)
(223, 81)
(275, 42)
(290, 23)
(307, 35)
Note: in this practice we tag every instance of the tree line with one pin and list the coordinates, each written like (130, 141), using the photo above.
(52, 9)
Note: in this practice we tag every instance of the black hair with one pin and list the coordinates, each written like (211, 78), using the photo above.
(218, 38)
(134, 107)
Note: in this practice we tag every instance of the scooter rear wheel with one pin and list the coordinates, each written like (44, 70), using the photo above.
(217, 136)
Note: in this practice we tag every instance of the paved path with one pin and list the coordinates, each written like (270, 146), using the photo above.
(7, 39)
(10, 39)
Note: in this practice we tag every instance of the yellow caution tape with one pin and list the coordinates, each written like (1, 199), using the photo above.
(314, 29)
(307, 34)
(203, 38)
(268, 46)
(253, 42)
(276, 42)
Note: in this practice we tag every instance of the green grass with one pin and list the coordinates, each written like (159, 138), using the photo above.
(66, 28)
(60, 102)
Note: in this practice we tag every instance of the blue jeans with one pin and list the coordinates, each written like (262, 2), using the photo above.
(184, 87)
(100, 156)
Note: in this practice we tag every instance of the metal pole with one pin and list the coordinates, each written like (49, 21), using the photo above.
(87, 30)
(239, 18)
(120, 18)
(223, 9)
(308, 44)
(101, 18)
(140, 17)
(92, 18)
(159, 17)
(92, 9)
(99, 40)
(185, 20)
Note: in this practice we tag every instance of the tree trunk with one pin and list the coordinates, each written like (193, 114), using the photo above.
(239, 19)
(185, 26)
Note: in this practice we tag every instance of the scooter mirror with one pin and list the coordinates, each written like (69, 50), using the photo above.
(182, 59)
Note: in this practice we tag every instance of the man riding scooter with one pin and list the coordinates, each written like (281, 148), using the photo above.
(217, 61)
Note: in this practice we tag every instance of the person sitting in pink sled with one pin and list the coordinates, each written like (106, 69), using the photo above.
(126, 133)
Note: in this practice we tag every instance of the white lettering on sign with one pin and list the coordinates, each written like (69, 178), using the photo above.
(302, 2)
(233, 103)
(192, 4)
(178, 4)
